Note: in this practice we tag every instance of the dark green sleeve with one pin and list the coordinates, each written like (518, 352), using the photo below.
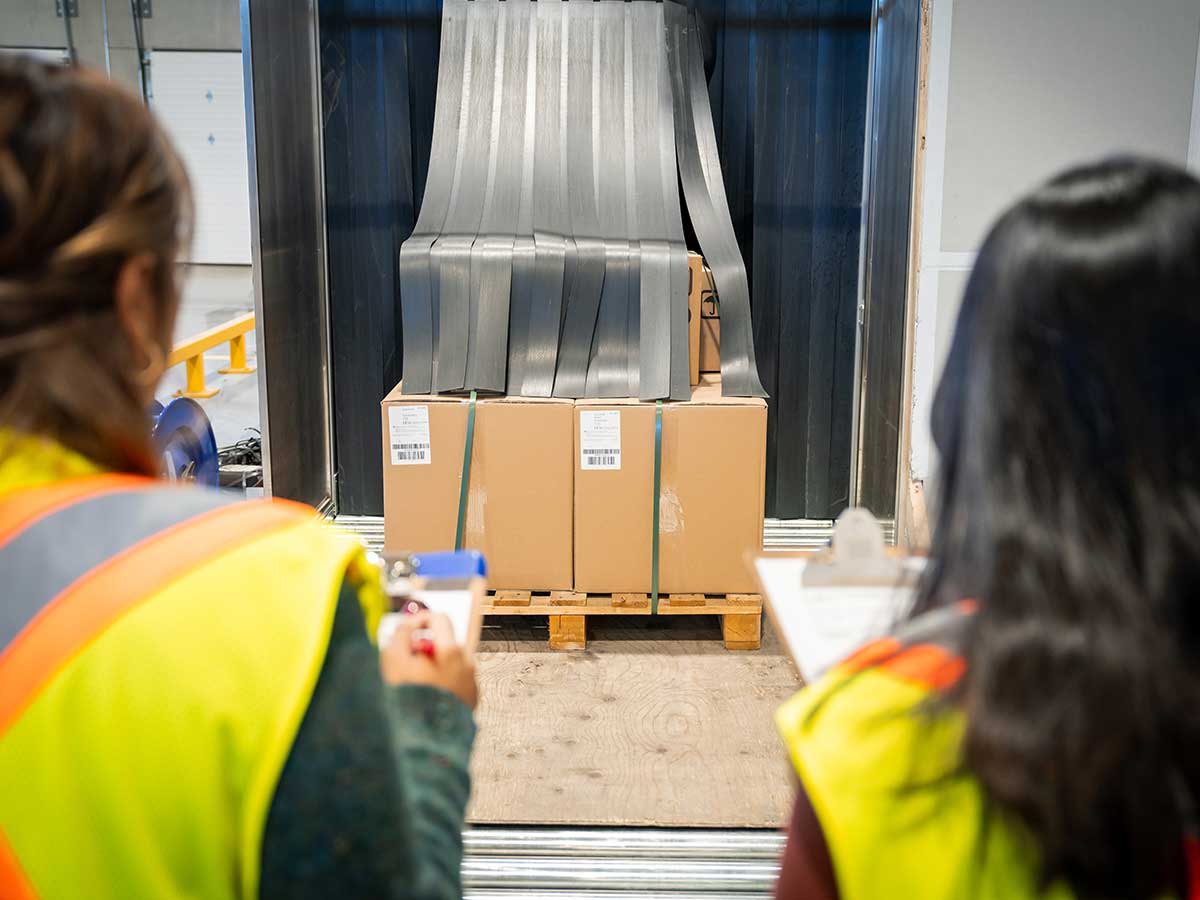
(372, 796)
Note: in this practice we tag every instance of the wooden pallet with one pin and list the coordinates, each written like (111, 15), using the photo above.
(568, 611)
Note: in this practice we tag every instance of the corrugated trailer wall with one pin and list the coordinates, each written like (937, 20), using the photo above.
(789, 90)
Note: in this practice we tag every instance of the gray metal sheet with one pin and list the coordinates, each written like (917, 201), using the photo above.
(492, 254)
(417, 300)
(579, 326)
(646, 204)
(609, 370)
(451, 255)
(681, 384)
(587, 282)
(662, 279)
(703, 187)
(551, 223)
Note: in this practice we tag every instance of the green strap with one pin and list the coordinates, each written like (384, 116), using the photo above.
(657, 491)
(466, 474)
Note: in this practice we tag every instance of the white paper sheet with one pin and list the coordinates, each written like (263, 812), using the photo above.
(822, 626)
(455, 605)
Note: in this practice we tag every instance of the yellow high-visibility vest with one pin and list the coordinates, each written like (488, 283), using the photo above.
(158, 649)
(883, 770)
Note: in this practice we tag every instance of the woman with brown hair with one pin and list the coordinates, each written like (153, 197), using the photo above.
(190, 705)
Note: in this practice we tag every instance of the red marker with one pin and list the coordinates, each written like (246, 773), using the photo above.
(422, 641)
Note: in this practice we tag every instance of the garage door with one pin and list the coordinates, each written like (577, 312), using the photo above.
(199, 97)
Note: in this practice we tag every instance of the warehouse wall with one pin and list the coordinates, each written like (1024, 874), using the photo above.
(173, 25)
(1017, 91)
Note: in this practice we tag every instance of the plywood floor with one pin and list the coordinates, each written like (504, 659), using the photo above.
(654, 724)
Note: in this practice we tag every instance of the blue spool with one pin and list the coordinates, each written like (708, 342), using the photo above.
(185, 443)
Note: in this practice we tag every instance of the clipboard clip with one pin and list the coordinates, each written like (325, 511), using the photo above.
(858, 557)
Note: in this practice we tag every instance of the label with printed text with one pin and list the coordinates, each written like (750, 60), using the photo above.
(408, 435)
(600, 439)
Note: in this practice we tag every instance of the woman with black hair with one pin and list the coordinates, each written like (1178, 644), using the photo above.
(1034, 729)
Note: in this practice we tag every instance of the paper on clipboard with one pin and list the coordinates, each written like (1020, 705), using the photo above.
(822, 625)
(457, 606)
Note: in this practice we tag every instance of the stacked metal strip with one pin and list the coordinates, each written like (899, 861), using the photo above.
(548, 258)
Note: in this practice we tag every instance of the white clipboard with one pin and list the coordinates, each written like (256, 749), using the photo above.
(824, 606)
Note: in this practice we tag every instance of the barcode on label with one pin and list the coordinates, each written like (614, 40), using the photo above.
(410, 446)
(601, 461)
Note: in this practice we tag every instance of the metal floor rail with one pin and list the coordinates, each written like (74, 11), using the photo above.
(778, 534)
(597, 863)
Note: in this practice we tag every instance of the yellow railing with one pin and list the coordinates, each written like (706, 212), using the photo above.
(192, 350)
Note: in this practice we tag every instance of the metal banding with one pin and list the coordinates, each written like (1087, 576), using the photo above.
(46, 558)
(549, 256)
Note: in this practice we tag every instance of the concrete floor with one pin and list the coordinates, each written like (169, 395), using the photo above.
(212, 295)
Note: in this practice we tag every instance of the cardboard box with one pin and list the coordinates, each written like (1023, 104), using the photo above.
(711, 496)
(710, 332)
(696, 279)
(519, 495)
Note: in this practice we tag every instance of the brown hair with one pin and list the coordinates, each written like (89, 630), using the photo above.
(88, 179)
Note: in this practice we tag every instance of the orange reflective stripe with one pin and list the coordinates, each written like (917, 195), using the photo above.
(13, 883)
(22, 508)
(79, 614)
(927, 665)
(870, 654)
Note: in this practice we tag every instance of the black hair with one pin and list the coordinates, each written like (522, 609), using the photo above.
(1068, 504)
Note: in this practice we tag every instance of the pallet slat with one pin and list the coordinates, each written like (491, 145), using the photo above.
(512, 598)
(567, 611)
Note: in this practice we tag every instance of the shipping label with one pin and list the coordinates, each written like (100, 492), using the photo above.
(409, 435)
(600, 439)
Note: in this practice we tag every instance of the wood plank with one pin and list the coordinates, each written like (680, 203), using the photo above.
(567, 598)
(656, 725)
(594, 606)
(742, 632)
(744, 600)
(568, 632)
(677, 600)
(718, 605)
(511, 598)
(630, 601)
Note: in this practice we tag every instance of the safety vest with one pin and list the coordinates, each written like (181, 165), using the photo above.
(158, 650)
(882, 767)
